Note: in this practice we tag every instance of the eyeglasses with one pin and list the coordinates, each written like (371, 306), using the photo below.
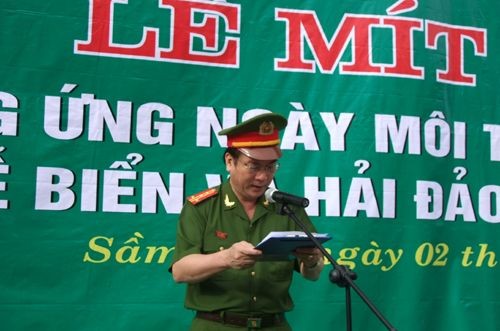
(255, 168)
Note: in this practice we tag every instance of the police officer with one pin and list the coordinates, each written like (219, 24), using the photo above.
(230, 285)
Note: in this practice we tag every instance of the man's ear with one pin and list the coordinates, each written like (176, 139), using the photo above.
(229, 161)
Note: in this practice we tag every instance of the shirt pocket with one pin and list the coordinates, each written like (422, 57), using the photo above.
(278, 271)
(213, 245)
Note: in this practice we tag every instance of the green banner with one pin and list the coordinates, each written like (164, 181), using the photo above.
(109, 113)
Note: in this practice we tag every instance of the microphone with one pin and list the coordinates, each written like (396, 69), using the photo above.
(273, 195)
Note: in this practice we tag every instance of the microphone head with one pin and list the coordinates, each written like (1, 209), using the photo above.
(269, 194)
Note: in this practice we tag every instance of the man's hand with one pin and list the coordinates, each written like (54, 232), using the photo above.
(241, 255)
(311, 262)
(310, 256)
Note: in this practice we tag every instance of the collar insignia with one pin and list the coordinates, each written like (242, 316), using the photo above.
(227, 202)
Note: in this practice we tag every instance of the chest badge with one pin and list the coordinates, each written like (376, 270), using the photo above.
(221, 235)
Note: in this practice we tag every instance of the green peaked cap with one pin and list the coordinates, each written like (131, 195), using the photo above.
(253, 124)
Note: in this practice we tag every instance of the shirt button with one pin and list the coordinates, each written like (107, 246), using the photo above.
(254, 299)
(252, 273)
(221, 248)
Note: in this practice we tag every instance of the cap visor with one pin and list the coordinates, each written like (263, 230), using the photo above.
(262, 153)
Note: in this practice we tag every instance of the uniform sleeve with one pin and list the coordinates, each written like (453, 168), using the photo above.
(190, 229)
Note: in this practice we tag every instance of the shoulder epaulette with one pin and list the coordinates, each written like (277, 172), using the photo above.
(199, 197)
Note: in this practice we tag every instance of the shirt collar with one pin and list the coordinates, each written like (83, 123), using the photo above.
(230, 201)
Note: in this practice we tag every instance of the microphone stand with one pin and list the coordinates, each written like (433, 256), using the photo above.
(340, 275)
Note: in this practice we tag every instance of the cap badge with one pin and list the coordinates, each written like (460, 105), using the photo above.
(266, 128)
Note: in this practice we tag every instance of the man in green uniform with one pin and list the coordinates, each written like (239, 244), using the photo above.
(230, 285)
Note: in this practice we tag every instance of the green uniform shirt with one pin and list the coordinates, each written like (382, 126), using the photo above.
(218, 222)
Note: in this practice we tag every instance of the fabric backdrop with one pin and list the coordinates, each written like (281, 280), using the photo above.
(108, 118)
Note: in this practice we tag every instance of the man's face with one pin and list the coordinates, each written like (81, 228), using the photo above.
(250, 178)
